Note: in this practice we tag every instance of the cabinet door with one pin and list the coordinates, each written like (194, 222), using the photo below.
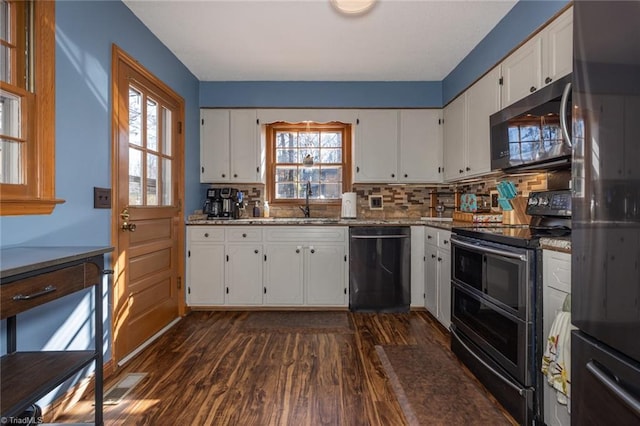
(558, 47)
(455, 138)
(376, 153)
(420, 145)
(214, 145)
(245, 158)
(205, 274)
(444, 288)
(431, 279)
(283, 274)
(483, 99)
(326, 275)
(243, 274)
(522, 71)
(417, 265)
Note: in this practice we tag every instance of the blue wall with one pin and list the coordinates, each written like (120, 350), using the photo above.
(85, 32)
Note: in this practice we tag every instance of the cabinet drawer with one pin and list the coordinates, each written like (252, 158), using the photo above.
(206, 233)
(40, 289)
(244, 234)
(305, 234)
(557, 267)
(431, 236)
(444, 239)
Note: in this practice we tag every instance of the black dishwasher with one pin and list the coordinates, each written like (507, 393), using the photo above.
(380, 268)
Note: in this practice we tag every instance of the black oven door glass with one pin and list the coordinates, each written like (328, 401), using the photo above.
(506, 283)
(468, 267)
(493, 327)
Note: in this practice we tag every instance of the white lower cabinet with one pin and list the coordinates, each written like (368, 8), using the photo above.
(205, 266)
(417, 266)
(556, 278)
(283, 274)
(270, 265)
(437, 276)
(243, 274)
(326, 275)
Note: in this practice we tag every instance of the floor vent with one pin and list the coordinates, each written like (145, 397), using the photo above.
(115, 394)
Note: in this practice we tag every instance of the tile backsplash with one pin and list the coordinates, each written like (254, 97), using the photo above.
(399, 201)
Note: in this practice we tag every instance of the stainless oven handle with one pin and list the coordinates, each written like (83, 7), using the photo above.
(628, 399)
(563, 114)
(490, 368)
(377, 237)
(491, 250)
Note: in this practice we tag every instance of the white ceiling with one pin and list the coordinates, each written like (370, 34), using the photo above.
(308, 40)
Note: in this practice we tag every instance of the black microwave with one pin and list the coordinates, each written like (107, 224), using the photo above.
(535, 132)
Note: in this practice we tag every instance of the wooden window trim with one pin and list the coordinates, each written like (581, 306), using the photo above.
(37, 195)
(271, 130)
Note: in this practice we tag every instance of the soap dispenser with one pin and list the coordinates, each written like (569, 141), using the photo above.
(256, 209)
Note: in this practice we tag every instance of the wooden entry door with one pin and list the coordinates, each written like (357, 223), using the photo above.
(147, 214)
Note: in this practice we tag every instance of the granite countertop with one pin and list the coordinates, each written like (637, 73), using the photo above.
(562, 244)
(19, 260)
(319, 221)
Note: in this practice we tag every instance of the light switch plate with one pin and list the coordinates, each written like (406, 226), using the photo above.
(101, 198)
(375, 202)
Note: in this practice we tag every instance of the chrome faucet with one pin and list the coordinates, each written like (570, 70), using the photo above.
(305, 209)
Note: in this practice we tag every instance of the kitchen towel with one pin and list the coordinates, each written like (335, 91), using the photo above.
(556, 361)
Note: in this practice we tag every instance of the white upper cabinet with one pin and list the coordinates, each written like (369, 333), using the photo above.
(420, 145)
(467, 151)
(376, 150)
(483, 99)
(544, 58)
(455, 134)
(229, 146)
(214, 145)
(522, 71)
(394, 146)
(558, 47)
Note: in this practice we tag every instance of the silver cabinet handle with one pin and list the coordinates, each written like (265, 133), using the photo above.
(627, 398)
(48, 289)
(563, 114)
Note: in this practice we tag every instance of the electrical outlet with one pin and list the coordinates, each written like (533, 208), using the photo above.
(375, 202)
(101, 198)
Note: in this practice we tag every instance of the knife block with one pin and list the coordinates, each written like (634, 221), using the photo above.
(517, 216)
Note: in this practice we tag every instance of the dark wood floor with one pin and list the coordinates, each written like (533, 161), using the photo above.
(209, 370)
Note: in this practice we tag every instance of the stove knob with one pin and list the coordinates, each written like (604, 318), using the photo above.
(533, 201)
(543, 201)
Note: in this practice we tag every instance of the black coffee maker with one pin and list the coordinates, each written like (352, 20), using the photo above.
(223, 203)
(213, 204)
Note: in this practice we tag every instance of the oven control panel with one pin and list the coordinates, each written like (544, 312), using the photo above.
(550, 203)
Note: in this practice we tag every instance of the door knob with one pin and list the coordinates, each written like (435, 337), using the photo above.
(126, 226)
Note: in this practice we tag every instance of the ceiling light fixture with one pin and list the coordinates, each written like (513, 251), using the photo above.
(353, 7)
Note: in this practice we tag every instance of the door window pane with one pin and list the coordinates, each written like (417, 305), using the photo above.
(135, 177)
(152, 125)
(152, 180)
(135, 117)
(167, 183)
(167, 134)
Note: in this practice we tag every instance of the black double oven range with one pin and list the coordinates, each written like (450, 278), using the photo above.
(496, 311)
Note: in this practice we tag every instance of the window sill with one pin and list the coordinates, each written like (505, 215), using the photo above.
(19, 207)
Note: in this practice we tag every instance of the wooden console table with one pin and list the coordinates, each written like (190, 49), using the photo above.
(30, 277)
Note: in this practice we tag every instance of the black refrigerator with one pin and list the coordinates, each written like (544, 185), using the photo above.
(605, 285)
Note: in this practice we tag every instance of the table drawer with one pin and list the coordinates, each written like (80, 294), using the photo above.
(30, 292)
